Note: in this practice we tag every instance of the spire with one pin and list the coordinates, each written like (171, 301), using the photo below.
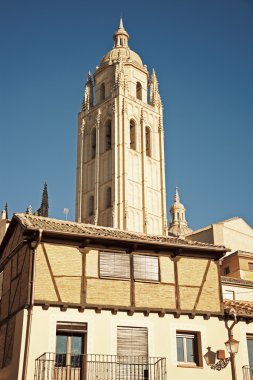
(121, 26)
(6, 210)
(121, 36)
(177, 198)
(43, 210)
(155, 99)
(178, 225)
(87, 103)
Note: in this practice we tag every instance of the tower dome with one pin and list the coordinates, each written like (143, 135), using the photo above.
(121, 49)
(178, 225)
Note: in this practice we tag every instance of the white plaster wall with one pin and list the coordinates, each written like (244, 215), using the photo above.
(102, 338)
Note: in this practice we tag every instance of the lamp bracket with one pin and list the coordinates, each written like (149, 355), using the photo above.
(221, 364)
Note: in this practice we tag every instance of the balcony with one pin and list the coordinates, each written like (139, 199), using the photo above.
(247, 372)
(52, 366)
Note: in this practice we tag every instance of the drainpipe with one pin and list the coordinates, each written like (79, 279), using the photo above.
(34, 245)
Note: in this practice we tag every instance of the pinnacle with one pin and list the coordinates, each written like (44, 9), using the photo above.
(121, 26)
(177, 197)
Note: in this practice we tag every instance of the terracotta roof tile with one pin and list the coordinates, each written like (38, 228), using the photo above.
(56, 225)
(238, 308)
(236, 281)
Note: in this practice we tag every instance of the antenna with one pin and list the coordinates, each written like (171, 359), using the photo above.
(65, 212)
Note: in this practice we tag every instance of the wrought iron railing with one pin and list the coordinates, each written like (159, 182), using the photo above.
(247, 372)
(52, 366)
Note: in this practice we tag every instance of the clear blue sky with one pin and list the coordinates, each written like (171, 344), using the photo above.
(202, 51)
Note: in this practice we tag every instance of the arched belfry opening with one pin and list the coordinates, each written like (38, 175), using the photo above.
(102, 92)
(139, 91)
(132, 133)
(148, 141)
(93, 143)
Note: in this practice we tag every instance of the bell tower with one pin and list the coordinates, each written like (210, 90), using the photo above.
(120, 155)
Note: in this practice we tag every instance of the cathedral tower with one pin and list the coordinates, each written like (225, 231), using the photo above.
(120, 155)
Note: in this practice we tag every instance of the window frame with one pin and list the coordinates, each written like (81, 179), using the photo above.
(197, 348)
(250, 265)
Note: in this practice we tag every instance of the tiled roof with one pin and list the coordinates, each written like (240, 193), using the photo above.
(236, 281)
(55, 225)
(238, 308)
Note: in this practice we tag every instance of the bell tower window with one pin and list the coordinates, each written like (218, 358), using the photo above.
(132, 135)
(108, 197)
(93, 143)
(148, 141)
(138, 91)
(102, 92)
(108, 136)
(91, 205)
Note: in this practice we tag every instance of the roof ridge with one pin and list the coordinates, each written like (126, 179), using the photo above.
(51, 224)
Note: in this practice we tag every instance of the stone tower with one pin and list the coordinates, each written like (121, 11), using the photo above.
(120, 155)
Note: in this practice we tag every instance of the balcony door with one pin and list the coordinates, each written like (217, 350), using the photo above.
(70, 349)
(132, 352)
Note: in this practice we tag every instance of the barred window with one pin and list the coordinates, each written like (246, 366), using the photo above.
(114, 264)
(146, 268)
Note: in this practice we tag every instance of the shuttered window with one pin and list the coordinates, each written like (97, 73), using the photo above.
(146, 268)
(132, 341)
(114, 264)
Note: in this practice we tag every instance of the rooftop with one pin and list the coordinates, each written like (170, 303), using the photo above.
(32, 222)
(238, 308)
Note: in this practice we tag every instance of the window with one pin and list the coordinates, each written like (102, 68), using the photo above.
(226, 271)
(132, 341)
(148, 142)
(250, 353)
(229, 294)
(138, 91)
(108, 137)
(93, 143)
(189, 348)
(108, 197)
(132, 135)
(1, 284)
(250, 266)
(114, 264)
(117, 265)
(102, 92)
(146, 268)
(132, 353)
(91, 205)
(69, 348)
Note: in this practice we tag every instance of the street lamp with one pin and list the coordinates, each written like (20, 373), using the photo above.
(232, 345)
